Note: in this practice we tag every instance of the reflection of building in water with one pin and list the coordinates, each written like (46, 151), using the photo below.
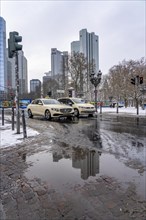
(59, 155)
(56, 157)
(87, 161)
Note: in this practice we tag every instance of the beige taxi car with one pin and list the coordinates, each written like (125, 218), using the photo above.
(80, 106)
(49, 108)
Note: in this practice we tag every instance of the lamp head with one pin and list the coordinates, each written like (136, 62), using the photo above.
(99, 73)
(92, 74)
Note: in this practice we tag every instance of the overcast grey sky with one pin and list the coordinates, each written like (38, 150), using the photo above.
(43, 25)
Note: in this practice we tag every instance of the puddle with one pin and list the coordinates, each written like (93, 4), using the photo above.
(62, 171)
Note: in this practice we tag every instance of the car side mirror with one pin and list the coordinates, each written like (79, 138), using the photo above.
(70, 103)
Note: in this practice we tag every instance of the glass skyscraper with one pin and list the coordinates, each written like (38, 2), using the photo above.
(3, 72)
(88, 44)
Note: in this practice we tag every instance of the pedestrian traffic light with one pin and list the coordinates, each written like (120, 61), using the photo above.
(70, 93)
(133, 81)
(13, 45)
(140, 80)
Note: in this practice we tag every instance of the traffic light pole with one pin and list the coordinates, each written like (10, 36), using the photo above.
(137, 99)
(13, 48)
(17, 94)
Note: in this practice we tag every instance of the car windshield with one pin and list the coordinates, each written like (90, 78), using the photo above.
(50, 101)
(77, 100)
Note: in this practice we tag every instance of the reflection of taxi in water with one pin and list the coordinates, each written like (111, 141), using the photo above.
(81, 107)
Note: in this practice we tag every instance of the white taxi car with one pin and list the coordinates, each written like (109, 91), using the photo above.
(49, 108)
(79, 105)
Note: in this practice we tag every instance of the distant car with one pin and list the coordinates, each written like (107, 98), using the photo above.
(49, 108)
(80, 106)
(114, 104)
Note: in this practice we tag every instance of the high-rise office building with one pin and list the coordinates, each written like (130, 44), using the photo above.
(57, 61)
(35, 84)
(22, 67)
(88, 44)
(23, 80)
(59, 67)
(35, 88)
(3, 66)
(75, 46)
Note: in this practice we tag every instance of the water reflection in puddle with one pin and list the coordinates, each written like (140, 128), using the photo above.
(60, 171)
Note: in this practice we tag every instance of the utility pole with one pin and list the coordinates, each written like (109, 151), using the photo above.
(13, 48)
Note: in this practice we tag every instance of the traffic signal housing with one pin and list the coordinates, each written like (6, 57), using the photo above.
(13, 45)
(70, 93)
(49, 93)
(140, 80)
(133, 81)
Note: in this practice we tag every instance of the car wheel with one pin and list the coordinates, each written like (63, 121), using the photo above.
(30, 115)
(76, 112)
(47, 115)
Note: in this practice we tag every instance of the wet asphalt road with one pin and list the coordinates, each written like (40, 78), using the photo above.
(91, 168)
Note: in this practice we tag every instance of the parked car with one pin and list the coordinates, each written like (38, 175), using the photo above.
(81, 107)
(49, 108)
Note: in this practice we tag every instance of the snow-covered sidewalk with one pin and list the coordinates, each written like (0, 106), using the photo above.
(128, 110)
(9, 137)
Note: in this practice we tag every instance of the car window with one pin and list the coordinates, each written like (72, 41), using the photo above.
(50, 101)
(62, 101)
(39, 102)
(69, 101)
(34, 102)
(77, 100)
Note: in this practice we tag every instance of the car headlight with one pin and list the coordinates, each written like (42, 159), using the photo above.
(55, 109)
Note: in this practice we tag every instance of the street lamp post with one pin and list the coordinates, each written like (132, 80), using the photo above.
(95, 80)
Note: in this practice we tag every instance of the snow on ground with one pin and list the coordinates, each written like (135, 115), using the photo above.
(130, 110)
(126, 145)
(10, 138)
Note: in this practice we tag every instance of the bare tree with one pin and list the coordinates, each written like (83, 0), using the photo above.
(50, 85)
(77, 65)
(118, 80)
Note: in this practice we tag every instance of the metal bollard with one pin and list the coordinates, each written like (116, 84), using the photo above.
(24, 125)
(101, 109)
(2, 115)
(13, 118)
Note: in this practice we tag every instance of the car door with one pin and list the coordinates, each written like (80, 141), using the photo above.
(39, 107)
(34, 107)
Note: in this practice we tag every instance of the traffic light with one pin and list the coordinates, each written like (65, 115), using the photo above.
(49, 93)
(70, 93)
(133, 81)
(13, 45)
(140, 80)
